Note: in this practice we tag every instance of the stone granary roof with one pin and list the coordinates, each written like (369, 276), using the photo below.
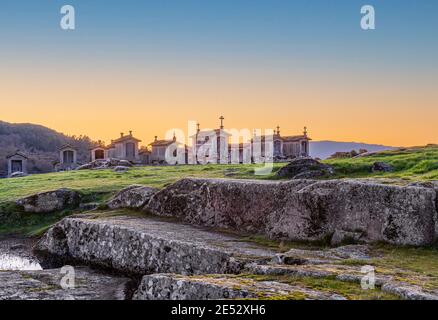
(144, 150)
(67, 146)
(161, 143)
(125, 138)
(295, 138)
(17, 153)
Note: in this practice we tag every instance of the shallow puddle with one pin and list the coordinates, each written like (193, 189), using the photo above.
(14, 262)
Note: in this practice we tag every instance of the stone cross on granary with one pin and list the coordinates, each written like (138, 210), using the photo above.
(222, 121)
(278, 130)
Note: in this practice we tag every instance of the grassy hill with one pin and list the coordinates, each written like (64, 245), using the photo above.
(411, 164)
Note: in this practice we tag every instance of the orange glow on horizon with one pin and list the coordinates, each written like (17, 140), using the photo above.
(102, 105)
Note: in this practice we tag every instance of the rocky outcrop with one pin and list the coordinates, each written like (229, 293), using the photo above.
(105, 164)
(205, 264)
(177, 287)
(133, 197)
(51, 201)
(46, 285)
(304, 209)
(145, 245)
(381, 167)
(121, 169)
(305, 168)
(408, 291)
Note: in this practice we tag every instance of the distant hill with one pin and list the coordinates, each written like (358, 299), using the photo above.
(324, 149)
(41, 144)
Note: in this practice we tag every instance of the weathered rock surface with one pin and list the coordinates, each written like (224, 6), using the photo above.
(177, 287)
(51, 201)
(409, 291)
(133, 197)
(146, 245)
(304, 209)
(46, 285)
(305, 168)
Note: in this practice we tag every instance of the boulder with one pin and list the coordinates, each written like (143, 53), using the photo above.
(133, 197)
(105, 164)
(121, 169)
(381, 167)
(86, 166)
(304, 210)
(51, 201)
(305, 168)
(17, 175)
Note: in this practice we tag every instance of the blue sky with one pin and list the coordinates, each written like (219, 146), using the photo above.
(227, 29)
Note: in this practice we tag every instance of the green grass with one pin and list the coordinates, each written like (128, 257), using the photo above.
(411, 164)
(413, 265)
(107, 181)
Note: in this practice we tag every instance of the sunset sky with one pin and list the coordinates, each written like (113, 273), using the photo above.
(149, 66)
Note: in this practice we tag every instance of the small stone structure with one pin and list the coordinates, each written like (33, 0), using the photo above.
(159, 148)
(68, 158)
(124, 148)
(99, 152)
(17, 163)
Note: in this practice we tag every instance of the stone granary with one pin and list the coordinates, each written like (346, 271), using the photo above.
(145, 155)
(287, 147)
(99, 152)
(206, 139)
(284, 147)
(157, 154)
(68, 158)
(17, 163)
(123, 148)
